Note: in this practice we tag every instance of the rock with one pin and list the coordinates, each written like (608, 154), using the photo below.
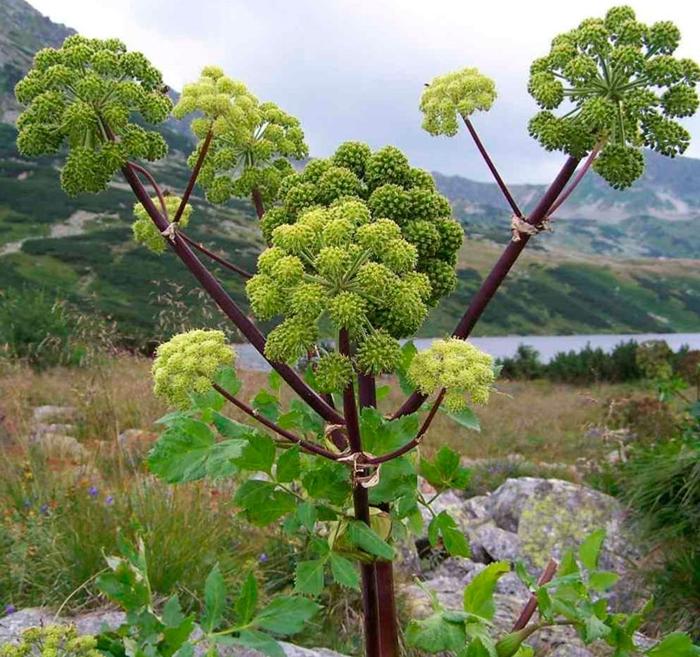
(93, 622)
(490, 543)
(48, 414)
(42, 428)
(60, 447)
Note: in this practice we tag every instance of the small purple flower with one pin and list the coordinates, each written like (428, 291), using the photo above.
(44, 509)
(92, 491)
(109, 500)
(10, 609)
(263, 558)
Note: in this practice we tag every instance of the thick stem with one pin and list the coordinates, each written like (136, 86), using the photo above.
(500, 270)
(193, 177)
(258, 202)
(216, 258)
(492, 167)
(580, 174)
(360, 497)
(312, 448)
(156, 187)
(228, 305)
(384, 570)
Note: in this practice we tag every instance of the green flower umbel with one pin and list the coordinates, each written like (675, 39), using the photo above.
(188, 363)
(450, 96)
(251, 143)
(619, 84)
(362, 242)
(51, 641)
(464, 371)
(145, 231)
(89, 94)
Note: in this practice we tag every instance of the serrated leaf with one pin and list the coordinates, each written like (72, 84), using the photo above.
(445, 471)
(266, 404)
(289, 465)
(180, 453)
(286, 615)
(368, 540)
(467, 419)
(227, 378)
(172, 612)
(307, 515)
(436, 634)
(261, 503)
(247, 600)
(258, 455)
(344, 571)
(274, 380)
(476, 648)
(229, 428)
(308, 578)
(594, 629)
(443, 525)
(478, 594)
(589, 552)
(214, 600)
(328, 480)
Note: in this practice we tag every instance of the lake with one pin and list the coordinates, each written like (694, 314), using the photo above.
(500, 347)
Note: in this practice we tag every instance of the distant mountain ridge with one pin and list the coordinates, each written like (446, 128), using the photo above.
(81, 248)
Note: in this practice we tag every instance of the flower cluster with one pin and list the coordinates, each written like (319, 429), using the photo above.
(86, 94)
(147, 233)
(621, 85)
(361, 239)
(456, 94)
(465, 372)
(188, 362)
(251, 141)
(52, 641)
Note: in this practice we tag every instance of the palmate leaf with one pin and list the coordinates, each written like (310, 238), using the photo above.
(187, 451)
(285, 615)
(445, 470)
(454, 540)
(677, 644)
(589, 552)
(466, 418)
(289, 465)
(258, 455)
(262, 504)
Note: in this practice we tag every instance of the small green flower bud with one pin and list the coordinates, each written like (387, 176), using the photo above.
(294, 238)
(338, 232)
(308, 300)
(314, 170)
(300, 197)
(376, 281)
(348, 310)
(405, 312)
(419, 284)
(351, 209)
(273, 218)
(337, 182)
(443, 278)
(421, 179)
(391, 202)
(352, 155)
(188, 362)
(451, 237)
(291, 340)
(334, 372)
(680, 100)
(333, 262)
(620, 165)
(546, 90)
(288, 270)
(387, 165)
(378, 353)
(376, 235)
(424, 235)
(458, 366)
(266, 297)
(399, 255)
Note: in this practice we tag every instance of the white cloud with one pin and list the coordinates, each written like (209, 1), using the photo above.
(354, 69)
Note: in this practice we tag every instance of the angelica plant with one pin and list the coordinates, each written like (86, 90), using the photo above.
(360, 247)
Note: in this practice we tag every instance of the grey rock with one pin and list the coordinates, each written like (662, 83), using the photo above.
(60, 446)
(490, 543)
(48, 414)
(43, 428)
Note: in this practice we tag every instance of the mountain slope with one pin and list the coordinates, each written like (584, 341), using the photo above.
(82, 248)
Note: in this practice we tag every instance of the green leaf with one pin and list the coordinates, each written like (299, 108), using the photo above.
(274, 380)
(383, 392)
(478, 594)
(258, 455)
(344, 571)
(455, 542)
(286, 615)
(436, 634)
(594, 629)
(289, 465)
(227, 378)
(247, 600)
(676, 644)
(266, 404)
(261, 503)
(397, 478)
(259, 641)
(602, 580)
(172, 612)
(328, 480)
(307, 514)
(214, 600)
(290, 420)
(229, 428)
(220, 460)
(368, 540)
(467, 419)
(445, 471)
(308, 578)
(477, 648)
(589, 552)
(181, 452)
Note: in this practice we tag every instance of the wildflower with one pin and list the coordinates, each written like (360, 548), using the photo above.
(263, 558)
(93, 491)
(109, 500)
(10, 609)
(44, 509)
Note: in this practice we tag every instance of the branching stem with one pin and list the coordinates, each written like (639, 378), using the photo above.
(193, 176)
(217, 258)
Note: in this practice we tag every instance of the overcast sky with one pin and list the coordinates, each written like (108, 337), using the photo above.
(354, 69)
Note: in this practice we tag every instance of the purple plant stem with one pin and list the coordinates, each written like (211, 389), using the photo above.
(193, 176)
(531, 606)
(492, 167)
(217, 258)
(156, 187)
(312, 448)
(228, 305)
(360, 497)
(575, 182)
(499, 272)
(258, 202)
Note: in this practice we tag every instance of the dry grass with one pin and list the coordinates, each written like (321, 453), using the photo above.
(541, 421)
